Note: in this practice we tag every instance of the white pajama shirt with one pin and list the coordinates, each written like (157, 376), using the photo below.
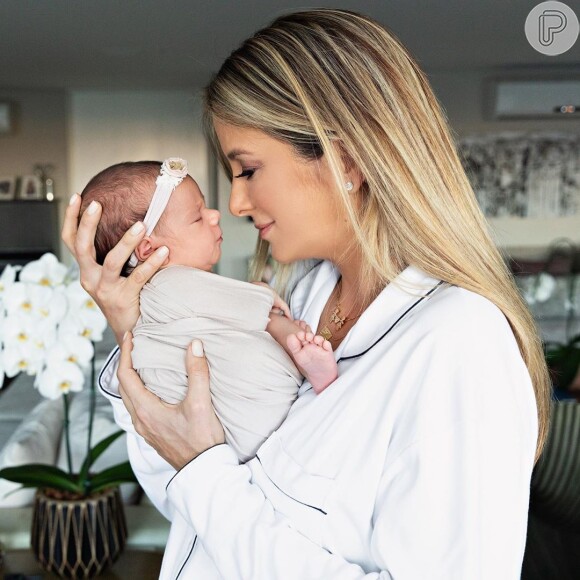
(414, 464)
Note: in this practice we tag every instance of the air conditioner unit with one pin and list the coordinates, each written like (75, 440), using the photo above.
(518, 99)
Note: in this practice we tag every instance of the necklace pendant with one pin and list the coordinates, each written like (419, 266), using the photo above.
(326, 333)
(336, 318)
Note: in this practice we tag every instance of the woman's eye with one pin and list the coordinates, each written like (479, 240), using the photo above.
(246, 173)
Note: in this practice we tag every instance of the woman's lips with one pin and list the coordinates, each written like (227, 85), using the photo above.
(265, 229)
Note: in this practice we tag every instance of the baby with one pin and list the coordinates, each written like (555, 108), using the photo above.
(255, 351)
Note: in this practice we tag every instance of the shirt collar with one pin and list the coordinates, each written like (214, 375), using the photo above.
(407, 288)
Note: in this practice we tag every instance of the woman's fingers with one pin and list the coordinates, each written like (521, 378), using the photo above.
(85, 239)
(84, 247)
(69, 228)
(118, 255)
(197, 405)
(143, 272)
(198, 373)
(177, 432)
(279, 303)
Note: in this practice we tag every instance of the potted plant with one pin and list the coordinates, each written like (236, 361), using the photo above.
(563, 360)
(48, 329)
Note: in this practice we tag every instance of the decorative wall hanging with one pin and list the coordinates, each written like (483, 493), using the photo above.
(524, 174)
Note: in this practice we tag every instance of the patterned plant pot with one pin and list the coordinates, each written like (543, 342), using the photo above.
(78, 538)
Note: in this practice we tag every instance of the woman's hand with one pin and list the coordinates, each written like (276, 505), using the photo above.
(117, 296)
(279, 304)
(179, 433)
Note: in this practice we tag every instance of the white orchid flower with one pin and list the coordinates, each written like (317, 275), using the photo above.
(23, 331)
(85, 324)
(83, 314)
(79, 298)
(46, 271)
(71, 348)
(47, 322)
(26, 335)
(40, 303)
(60, 378)
(1, 370)
(18, 331)
(7, 278)
(2, 326)
(21, 360)
(93, 325)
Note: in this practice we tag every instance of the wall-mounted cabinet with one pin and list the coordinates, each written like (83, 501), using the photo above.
(28, 229)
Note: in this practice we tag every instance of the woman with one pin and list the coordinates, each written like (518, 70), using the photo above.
(415, 463)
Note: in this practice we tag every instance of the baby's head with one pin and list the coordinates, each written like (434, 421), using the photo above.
(187, 227)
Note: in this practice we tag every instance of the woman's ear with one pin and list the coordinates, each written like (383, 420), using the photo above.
(145, 248)
(350, 171)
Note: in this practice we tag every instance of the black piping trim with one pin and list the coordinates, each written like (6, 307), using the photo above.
(287, 495)
(393, 325)
(186, 559)
(390, 328)
(111, 356)
(190, 461)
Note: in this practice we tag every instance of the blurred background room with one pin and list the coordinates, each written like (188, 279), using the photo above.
(84, 85)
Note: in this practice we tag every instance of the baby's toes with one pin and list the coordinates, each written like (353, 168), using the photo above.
(318, 340)
(304, 325)
(301, 335)
(309, 336)
(326, 345)
(294, 343)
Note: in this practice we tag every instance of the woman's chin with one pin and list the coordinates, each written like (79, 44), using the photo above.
(282, 258)
(288, 255)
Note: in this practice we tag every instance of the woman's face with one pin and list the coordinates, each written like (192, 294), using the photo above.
(290, 195)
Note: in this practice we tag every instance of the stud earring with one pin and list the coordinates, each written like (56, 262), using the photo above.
(349, 185)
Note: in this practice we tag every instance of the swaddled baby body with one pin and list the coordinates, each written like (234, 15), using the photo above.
(253, 380)
(256, 356)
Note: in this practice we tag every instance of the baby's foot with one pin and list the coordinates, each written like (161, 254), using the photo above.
(303, 325)
(313, 354)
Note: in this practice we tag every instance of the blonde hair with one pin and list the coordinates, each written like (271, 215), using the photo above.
(327, 76)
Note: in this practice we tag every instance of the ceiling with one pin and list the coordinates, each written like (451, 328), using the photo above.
(179, 43)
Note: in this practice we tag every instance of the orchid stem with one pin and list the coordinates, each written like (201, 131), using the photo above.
(92, 403)
(66, 433)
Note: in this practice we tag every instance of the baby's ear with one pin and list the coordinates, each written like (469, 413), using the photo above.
(144, 249)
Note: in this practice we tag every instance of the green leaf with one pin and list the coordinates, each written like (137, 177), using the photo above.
(121, 473)
(95, 453)
(39, 475)
(17, 490)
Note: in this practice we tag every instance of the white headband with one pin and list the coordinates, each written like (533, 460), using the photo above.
(173, 170)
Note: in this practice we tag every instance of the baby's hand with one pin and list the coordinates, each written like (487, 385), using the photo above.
(278, 302)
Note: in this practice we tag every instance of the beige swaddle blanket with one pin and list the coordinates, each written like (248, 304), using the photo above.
(253, 380)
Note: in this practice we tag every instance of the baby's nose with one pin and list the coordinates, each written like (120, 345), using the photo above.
(215, 216)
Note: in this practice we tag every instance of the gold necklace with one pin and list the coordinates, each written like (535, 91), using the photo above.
(336, 318)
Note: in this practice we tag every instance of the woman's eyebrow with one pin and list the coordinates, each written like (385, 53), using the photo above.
(236, 153)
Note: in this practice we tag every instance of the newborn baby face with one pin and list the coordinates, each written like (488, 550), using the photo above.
(189, 229)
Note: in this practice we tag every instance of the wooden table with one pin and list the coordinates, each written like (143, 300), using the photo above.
(141, 564)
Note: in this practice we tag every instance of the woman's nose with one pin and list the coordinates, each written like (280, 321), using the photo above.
(239, 201)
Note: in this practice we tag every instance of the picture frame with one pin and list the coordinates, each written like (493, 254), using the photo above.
(7, 188)
(30, 188)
